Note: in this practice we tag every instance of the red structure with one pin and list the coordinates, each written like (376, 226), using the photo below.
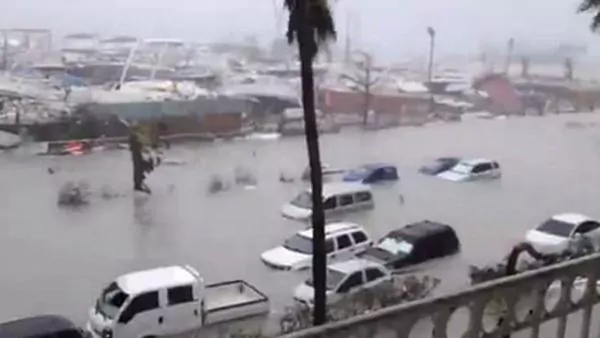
(503, 95)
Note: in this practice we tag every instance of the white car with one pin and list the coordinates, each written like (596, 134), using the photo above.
(342, 241)
(472, 169)
(338, 198)
(557, 233)
(345, 278)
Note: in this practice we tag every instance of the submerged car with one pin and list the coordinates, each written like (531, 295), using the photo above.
(342, 241)
(338, 198)
(472, 169)
(45, 326)
(345, 278)
(559, 232)
(439, 165)
(372, 173)
(414, 244)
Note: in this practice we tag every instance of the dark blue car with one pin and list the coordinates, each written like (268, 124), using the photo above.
(372, 173)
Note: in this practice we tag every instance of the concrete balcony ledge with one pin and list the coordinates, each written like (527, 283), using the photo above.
(498, 308)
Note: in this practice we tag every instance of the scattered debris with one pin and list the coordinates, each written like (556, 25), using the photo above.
(244, 177)
(400, 290)
(74, 194)
(173, 161)
(511, 264)
(285, 178)
(216, 185)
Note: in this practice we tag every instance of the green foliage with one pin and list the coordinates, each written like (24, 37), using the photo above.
(319, 20)
(592, 6)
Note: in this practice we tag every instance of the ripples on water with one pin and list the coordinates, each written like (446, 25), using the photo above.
(56, 260)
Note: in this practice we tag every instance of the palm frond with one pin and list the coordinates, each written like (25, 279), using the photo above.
(591, 6)
(319, 20)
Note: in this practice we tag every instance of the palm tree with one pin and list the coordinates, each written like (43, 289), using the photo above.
(310, 24)
(594, 7)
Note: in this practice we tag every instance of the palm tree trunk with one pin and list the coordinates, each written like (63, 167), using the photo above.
(314, 160)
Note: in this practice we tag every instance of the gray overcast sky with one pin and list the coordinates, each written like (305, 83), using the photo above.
(391, 28)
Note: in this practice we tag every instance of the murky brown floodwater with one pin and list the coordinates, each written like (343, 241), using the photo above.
(56, 260)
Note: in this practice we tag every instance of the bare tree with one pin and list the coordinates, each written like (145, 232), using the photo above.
(363, 81)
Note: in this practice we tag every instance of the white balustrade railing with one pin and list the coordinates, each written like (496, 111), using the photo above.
(500, 308)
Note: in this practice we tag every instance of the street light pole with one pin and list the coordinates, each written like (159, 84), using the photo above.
(431, 33)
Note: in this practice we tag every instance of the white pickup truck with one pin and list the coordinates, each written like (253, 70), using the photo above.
(170, 302)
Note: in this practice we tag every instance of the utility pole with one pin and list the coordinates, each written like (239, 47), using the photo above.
(431, 33)
(509, 51)
(5, 51)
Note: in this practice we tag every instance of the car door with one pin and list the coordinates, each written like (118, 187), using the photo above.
(330, 205)
(373, 277)
(350, 285)
(330, 250)
(182, 311)
(361, 241)
(345, 247)
(591, 229)
(141, 317)
(346, 202)
(363, 200)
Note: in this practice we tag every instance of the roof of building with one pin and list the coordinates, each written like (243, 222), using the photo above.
(38, 326)
(155, 279)
(333, 228)
(353, 265)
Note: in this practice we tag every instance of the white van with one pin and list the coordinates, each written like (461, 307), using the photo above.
(169, 301)
(342, 241)
(338, 197)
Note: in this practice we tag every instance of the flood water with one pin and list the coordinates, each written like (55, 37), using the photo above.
(56, 260)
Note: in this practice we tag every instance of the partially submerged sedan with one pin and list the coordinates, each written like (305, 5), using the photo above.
(472, 169)
(560, 232)
(345, 278)
(372, 173)
(414, 244)
(439, 165)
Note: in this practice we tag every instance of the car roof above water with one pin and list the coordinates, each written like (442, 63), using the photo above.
(421, 229)
(38, 326)
(571, 218)
(353, 265)
(334, 228)
(156, 279)
(476, 161)
(340, 188)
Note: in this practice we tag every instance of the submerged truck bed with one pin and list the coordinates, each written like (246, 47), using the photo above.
(233, 300)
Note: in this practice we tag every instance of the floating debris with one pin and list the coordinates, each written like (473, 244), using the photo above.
(400, 290)
(285, 178)
(74, 194)
(216, 185)
(173, 161)
(244, 177)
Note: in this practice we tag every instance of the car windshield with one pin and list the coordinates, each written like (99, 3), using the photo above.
(299, 244)
(556, 228)
(395, 246)
(304, 200)
(110, 301)
(334, 278)
(462, 168)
